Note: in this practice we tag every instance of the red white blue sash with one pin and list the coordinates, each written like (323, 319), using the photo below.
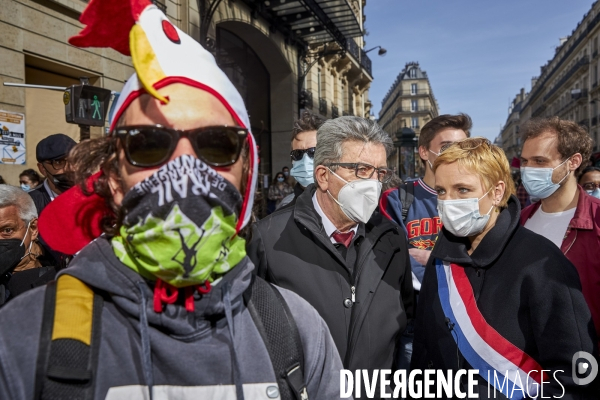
(480, 344)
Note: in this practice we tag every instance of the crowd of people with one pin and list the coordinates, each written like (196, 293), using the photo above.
(134, 268)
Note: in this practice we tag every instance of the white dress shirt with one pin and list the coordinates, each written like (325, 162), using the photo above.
(330, 228)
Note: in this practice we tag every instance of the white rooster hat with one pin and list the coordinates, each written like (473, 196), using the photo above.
(162, 54)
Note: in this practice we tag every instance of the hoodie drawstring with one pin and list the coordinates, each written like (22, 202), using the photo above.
(146, 350)
(236, 367)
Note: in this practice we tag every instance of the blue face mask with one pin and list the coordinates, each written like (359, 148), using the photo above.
(280, 179)
(594, 193)
(25, 187)
(538, 181)
(302, 170)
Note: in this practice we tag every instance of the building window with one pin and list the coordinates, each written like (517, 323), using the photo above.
(319, 81)
(414, 123)
(413, 88)
(414, 105)
(413, 73)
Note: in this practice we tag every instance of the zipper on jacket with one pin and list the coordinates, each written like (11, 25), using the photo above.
(353, 288)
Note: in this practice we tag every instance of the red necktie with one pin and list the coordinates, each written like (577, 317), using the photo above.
(343, 238)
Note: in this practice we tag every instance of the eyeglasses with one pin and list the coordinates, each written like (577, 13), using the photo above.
(57, 164)
(591, 186)
(468, 144)
(153, 145)
(366, 171)
(298, 154)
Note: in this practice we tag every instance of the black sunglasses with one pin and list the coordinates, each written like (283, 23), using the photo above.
(153, 145)
(298, 154)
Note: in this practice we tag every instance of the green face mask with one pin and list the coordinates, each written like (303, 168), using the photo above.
(179, 225)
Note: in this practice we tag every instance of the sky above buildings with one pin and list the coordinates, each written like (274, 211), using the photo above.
(477, 54)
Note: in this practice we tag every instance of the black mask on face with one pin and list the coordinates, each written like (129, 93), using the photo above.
(11, 252)
(62, 182)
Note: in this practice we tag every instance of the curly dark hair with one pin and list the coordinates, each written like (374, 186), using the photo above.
(572, 137)
(32, 175)
(89, 157)
(93, 155)
(307, 122)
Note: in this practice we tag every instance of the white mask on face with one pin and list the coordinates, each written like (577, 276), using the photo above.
(358, 199)
(437, 154)
(461, 217)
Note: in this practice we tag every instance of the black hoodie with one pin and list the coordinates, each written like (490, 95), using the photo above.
(525, 289)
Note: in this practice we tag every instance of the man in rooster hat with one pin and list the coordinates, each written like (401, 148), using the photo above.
(164, 303)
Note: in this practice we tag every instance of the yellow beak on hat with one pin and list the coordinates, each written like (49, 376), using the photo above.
(145, 62)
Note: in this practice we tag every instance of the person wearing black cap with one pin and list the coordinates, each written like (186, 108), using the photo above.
(51, 154)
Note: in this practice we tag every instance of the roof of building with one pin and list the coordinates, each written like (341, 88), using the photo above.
(405, 74)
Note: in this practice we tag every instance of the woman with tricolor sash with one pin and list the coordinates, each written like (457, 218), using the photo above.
(497, 297)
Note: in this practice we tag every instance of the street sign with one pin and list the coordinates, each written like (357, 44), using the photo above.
(86, 105)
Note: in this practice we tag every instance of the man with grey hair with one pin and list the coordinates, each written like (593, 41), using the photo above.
(20, 268)
(335, 251)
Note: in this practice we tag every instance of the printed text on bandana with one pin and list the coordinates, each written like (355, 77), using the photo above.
(177, 175)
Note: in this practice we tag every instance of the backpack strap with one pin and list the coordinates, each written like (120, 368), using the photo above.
(407, 196)
(276, 325)
(69, 341)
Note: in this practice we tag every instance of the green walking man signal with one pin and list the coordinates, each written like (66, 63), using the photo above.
(86, 104)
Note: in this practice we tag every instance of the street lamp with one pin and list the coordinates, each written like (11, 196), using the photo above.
(381, 51)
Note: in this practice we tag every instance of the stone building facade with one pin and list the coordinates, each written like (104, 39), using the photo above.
(509, 137)
(409, 103)
(283, 56)
(567, 85)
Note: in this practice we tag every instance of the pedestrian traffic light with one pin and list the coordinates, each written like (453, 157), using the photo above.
(86, 104)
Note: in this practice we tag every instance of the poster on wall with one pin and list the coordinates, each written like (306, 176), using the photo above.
(12, 138)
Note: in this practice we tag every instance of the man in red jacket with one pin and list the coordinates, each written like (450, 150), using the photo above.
(553, 153)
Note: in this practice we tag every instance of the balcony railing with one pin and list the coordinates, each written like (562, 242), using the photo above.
(365, 61)
(359, 55)
(352, 48)
(334, 112)
(322, 106)
(538, 111)
(306, 99)
(582, 62)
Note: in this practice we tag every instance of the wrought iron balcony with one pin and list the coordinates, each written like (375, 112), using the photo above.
(353, 49)
(585, 60)
(365, 61)
(322, 106)
(334, 112)
(306, 99)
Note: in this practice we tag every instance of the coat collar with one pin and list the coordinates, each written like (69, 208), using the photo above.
(454, 249)
(583, 218)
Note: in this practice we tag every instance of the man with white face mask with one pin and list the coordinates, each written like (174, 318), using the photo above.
(553, 154)
(331, 248)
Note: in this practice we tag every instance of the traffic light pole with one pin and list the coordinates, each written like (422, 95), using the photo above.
(95, 105)
(84, 132)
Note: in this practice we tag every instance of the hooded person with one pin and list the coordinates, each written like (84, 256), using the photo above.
(162, 302)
